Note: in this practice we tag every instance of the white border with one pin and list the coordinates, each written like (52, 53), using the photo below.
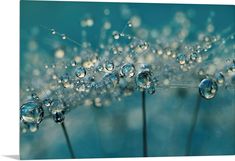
(9, 77)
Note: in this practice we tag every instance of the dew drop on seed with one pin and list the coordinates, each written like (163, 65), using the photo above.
(80, 72)
(143, 79)
(53, 32)
(128, 70)
(63, 36)
(109, 65)
(31, 113)
(151, 89)
(194, 56)
(219, 77)
(57, 106)
(144, 46)
(208, 88)
(181, 58)
(116, 35)
(47, 102)
(99, 68)
(34, 96)
(65, 80)
(111, 80)
(58, 117)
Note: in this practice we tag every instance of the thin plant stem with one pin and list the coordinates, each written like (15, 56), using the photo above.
(145, 140)
(68, 140)
(193, 125)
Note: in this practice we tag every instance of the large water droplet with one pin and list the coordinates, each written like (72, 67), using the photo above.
(181, 58)
(194, 56)
(116, 35)
(109, 65)
(65, 80)
(31, 113)
(231, 67)
(219, 77)
(80, 72)
(35, 96)
(46, 102)
(208, 88)
(58, 117)
(144, 45)
(151, 89)
(99, 68)
(111, 80)
(63, 36)
(143, 79)
(128, 70)
(53, 32)
(56, 106)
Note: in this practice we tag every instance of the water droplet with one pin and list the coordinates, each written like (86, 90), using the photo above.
(144, 45)
(208, 88)
(63, 36)
(116, 35)
(130, 24)
(31, 112)
(73, 63)
(99, 68)
(46, 102)
(109, 65)
(33, 127)
(219, 77)
(111, 80)
(35, 96)
(57, 106)
(231, 67)
(143, 79)
(65, 80)
(128, 70)
(151, 89)
(53, 32)
(194, 56)
(80, 72)
(58, 117)
(181, 58)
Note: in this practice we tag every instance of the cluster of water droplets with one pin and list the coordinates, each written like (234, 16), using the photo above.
(130, 60)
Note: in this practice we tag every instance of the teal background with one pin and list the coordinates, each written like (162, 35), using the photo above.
(107, 132)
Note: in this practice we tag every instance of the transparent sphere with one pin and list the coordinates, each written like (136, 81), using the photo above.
(56, 106)
(58, 117)
(219, 77)
(111, 80)
(194, 56)
(151, 89)
(116, 35)
(143, 79)
(65, 80)
(181, 58)
(46, 102)
(128, 70)
(109, 65)
(208, 88)
(80, 72)
(31, 113)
